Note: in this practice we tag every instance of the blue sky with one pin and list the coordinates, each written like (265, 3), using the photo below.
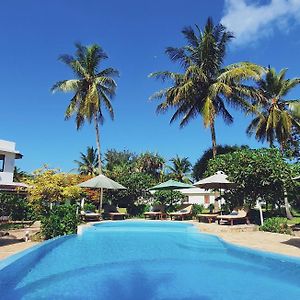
(134, 34)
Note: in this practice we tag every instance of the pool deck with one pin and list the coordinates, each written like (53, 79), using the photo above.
(243, 235)
(250, 236)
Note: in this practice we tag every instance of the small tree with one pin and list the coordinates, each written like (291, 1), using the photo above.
(200, 166)
(136, 183)
(168, 198)
(49, 185)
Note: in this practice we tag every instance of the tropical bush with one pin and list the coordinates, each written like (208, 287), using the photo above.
(168, 198)
(89, 207)
(277, 225)
(16, 206)
(51, 186)
(137, 185)
(197, 209)
(61, 220)
(137, 211)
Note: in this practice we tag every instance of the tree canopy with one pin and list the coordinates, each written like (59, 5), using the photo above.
(201, 164)
(260, 174)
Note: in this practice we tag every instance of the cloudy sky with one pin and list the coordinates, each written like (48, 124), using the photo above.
(134, 33)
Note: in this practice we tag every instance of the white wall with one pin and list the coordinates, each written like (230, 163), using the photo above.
(9, 163)
(8, 150)
(199, 199)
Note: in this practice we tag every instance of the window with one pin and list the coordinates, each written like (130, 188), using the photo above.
(2, 159)
(206, 199)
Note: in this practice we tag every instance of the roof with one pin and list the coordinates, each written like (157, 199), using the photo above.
(196, 191)
(11, 186)
(9, 147)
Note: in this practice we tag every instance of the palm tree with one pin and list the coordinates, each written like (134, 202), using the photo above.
(276, 117)
(150, 163)
(20, 175)
(180, 170)
(88, 163)
(206, 85)
(93, 88)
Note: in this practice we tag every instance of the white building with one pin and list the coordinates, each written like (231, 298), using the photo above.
(8, 154)
(200, 196)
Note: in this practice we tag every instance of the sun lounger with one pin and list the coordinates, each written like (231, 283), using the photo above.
(157, 213)
(4, 219)
(238, 215)
(212, 217)
(183, 213)
(90, 216)
(120, 213)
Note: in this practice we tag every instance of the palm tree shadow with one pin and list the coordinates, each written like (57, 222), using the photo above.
(140, 286)
(293, 242)
(9, 240)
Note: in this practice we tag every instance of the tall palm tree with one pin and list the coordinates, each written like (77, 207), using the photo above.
(276, 117)
(181, 168)
(206, 85)
(88, 163)
(93, 88)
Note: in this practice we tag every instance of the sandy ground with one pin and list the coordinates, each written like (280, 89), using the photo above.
(11, 249)
(14, 242)
(243, 235)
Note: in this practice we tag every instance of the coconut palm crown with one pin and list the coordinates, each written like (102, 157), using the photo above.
(88, 163)
(93, 88)
(277, 117)
(180, 169)
(206, 85)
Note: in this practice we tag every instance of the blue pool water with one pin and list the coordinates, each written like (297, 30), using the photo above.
(147, 260)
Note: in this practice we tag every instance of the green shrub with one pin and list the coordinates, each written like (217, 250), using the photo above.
(61, 220)
(197, 209)
(137, 211)
(277, 225)
(168, 198)
(16, 206)
(89, 207)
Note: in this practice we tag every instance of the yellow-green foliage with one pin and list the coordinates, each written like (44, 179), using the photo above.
(51, 185)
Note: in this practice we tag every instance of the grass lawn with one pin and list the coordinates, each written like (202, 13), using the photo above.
(295, 220)
(8, 226)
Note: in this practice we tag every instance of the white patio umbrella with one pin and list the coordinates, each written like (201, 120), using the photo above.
(216, 181)
(101, 182)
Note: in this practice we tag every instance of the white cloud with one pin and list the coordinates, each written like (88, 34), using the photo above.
(251, 21)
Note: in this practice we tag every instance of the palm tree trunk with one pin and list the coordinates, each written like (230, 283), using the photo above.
(98, 143)
(286, 202)
(213, 137)
(282, 148)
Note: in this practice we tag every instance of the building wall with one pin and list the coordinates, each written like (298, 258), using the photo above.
(9, 163)
(7, 149)
(200, 199)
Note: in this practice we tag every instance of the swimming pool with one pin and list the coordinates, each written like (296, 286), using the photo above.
(147, 260)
